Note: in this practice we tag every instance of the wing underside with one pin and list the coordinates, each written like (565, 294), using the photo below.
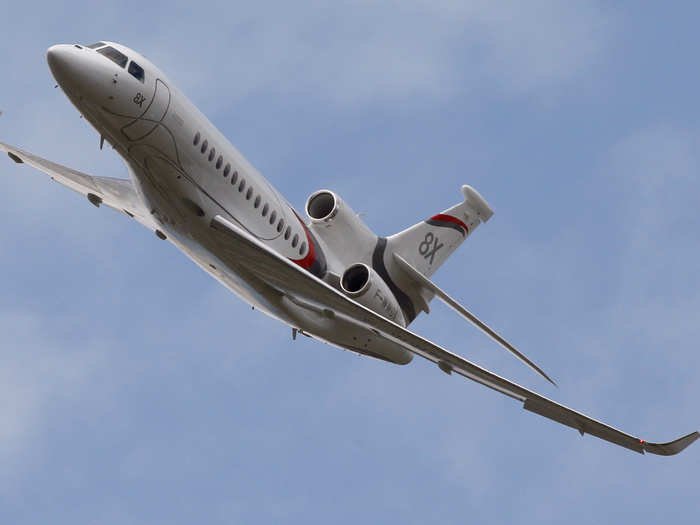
(119, 194)
(300, 285)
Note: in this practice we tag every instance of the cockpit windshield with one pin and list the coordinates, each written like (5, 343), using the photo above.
(96, 45)
(115, 56)
(136, 71)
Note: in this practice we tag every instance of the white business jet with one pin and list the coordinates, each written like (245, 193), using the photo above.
(332, 279)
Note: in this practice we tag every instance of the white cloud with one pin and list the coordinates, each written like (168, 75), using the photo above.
(358, 52)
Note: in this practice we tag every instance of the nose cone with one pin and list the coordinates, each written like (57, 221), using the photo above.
(59, 59)
(82, 74)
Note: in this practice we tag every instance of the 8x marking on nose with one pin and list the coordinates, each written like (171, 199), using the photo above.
(139, 99)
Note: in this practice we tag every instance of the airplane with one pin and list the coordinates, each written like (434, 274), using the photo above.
(331, 279)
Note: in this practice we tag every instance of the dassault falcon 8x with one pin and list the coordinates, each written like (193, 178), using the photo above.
(332, 278)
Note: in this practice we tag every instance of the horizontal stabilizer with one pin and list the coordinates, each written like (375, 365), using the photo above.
(475, 201)
(449, 301)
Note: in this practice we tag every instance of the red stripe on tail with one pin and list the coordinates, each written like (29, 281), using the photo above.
(449, 218)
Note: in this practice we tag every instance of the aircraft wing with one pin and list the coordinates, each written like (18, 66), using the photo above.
(115, 193)
(239, 248)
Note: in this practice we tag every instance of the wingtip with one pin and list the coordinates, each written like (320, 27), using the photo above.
(672, 447)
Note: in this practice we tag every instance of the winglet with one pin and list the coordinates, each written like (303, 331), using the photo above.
(672, 447)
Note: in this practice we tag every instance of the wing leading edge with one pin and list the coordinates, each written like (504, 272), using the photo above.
(239, 247)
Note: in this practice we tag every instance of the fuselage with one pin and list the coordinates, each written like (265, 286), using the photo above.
(186, 172)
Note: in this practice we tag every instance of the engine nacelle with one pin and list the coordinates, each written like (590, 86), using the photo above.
(364, 285)
(339, 228)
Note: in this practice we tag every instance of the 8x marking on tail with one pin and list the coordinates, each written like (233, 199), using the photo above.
(429, 247)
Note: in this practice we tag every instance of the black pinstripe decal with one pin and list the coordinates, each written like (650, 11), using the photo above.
(445, 224)
(409, 311)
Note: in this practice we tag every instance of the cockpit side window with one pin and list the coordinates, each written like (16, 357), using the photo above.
(136, 71)
(96, 45)
(115, 56)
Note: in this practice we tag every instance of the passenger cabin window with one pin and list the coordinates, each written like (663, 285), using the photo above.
(196, 139)
(265, 209)
(302, 248)
(136, 71)
(227, 170)
(212, 154)
(234, 177)
(96, 45)
(219, 162)
(205, 145)
(115, 56)
(295, 240)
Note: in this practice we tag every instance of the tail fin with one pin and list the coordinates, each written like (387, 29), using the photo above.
(428, 244)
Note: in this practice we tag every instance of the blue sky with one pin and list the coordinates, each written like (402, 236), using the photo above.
(135, 389)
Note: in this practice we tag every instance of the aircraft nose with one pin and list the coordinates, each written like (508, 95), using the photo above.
(58, 57)
(78, 71)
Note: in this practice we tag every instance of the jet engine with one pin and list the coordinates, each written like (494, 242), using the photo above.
(341, 230)
(361, 283)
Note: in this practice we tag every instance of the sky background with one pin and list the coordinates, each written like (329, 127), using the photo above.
(136, 389)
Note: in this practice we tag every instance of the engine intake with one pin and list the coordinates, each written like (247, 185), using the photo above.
(364, 285)
(355, 279)
(345, 237)
(321, 206)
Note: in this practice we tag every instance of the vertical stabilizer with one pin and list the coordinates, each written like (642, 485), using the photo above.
(428, 244)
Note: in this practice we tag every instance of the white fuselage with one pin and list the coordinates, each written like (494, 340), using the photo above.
(187, 172)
